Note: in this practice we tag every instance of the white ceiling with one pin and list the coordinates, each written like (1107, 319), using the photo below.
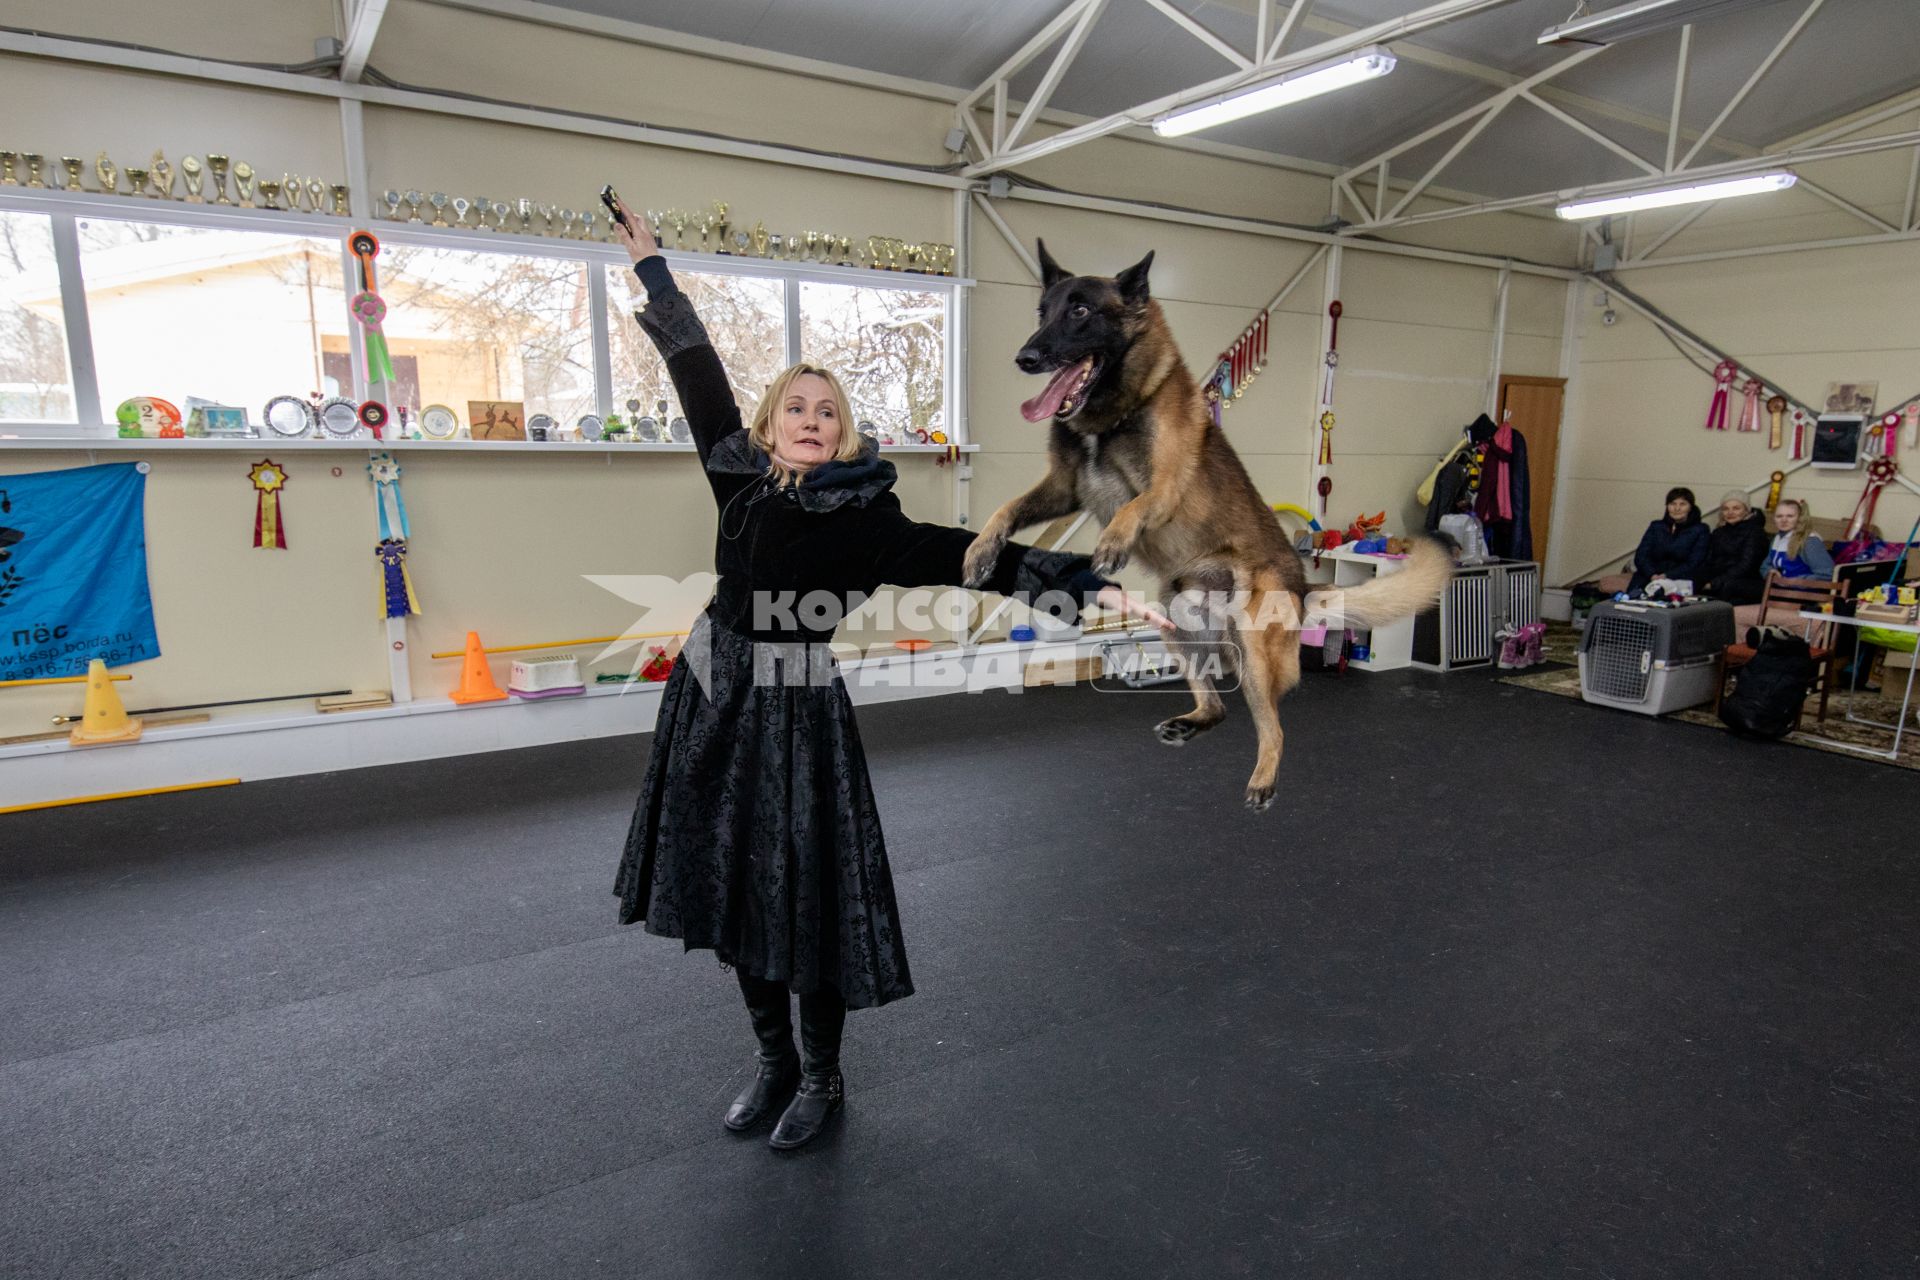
(1853, 54)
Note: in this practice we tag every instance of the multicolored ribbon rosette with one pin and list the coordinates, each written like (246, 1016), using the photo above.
(369, 309)
(396, 584)
(269, 530)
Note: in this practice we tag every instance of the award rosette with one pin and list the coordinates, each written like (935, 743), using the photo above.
(369, 310)
(269, 529)
(398, 598)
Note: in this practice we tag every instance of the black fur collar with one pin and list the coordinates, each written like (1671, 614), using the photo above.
(825, 488)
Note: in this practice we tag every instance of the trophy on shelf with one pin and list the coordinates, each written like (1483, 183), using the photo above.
(317, 194)
(190, 171)
(523, 207)
(567, 218)
(74, 165)
(439, 202)
(217, 169)
(586, 224)
(500, 212)
(109, 176)
(759, 239)
(243, 183)
(721, 224)
(269, 191)
(162, 175)
(460, 207)
(137, 179)
(289, 184)
(6, 170)
(480, 206)
(392, 201)
(34, 160)
(414, 200)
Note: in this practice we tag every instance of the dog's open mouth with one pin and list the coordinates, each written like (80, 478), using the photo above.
(1064, 394)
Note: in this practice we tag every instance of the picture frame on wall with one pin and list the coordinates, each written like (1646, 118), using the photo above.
(1852, 397)
(497, 419)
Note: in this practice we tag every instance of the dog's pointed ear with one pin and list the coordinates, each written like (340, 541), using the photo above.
(1051, 272)
(1133, 281)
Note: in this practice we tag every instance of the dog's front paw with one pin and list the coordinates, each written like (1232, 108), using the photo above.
(982, 556)
(1259, 798)
(1110, 556)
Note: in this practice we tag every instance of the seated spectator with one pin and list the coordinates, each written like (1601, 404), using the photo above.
(1674, 546)
(1736, 552)
(1797, 551)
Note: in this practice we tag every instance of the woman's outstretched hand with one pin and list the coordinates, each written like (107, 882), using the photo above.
(1131, 606)
(638, 242)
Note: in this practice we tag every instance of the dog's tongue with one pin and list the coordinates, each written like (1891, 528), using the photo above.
(1047, 403)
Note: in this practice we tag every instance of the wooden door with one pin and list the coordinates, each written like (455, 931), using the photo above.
(1532, 406)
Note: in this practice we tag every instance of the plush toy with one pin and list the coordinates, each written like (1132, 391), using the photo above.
(1364, 528)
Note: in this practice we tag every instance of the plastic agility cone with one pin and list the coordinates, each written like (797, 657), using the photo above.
(476, 681)
(105, 718)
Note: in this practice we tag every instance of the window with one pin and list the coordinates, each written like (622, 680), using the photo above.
(36, 384)
(234, 317)
(475, 325)
(888, 346)
(746, 316)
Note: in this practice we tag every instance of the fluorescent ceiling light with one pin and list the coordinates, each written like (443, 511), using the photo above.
(1638, 18)
(1661, 198)
(1366, 64)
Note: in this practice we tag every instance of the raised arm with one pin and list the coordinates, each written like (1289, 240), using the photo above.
(670, 322)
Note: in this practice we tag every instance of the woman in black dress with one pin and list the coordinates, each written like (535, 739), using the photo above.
(756, 833)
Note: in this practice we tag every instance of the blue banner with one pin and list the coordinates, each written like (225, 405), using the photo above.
(73, 571)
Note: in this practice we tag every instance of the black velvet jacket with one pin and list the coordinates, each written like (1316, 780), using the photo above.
(840, 530)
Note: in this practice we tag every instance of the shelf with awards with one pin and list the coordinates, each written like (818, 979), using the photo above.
(69, 444)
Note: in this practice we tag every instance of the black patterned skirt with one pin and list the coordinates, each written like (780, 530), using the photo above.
(756, 833)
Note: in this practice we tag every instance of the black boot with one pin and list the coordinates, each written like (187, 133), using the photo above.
(776, 1066)
(823, 1015)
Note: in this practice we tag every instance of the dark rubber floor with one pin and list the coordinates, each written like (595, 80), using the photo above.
(1503, 986)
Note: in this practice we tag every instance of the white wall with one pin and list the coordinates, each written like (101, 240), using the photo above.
(502, 541)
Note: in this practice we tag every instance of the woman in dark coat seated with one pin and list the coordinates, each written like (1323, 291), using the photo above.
(1736, 550)
(756, 833)
(1674, 546)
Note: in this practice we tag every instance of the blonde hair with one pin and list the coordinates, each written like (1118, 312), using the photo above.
(1802, 524)
(766, 438)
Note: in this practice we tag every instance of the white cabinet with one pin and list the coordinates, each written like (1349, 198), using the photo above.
(1389, 648)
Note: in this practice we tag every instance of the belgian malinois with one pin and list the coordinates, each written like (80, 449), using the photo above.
(1132, 441)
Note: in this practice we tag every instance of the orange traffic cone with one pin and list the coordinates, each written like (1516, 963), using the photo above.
(476, 681)
(105, 717)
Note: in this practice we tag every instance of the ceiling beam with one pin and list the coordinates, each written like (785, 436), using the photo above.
(1494, 103)
(1679, 95)
(1501, 79)
(1815, 188)
(1766, 65)
(1424, 19)
(1193, 28)
(1853, 121)
(1279, 41)
(1726, 169)
(1062, 59)
(362, 27)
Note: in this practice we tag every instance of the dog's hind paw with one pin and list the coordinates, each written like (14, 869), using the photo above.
(1259, 799)
(1177, 731)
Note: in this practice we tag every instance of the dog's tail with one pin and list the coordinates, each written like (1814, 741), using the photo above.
(1414, 588)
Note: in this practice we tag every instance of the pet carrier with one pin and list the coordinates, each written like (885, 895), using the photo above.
(1653, 658)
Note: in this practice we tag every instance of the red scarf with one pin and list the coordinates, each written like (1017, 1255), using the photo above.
(1496, 488)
